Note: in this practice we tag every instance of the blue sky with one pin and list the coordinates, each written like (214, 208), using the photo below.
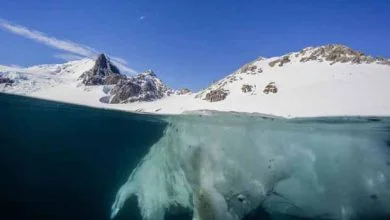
(191, 43)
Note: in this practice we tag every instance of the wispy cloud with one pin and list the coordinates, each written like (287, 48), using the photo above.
(118, 60)
(49, 41)
(122, 65)
(68, 56)
(76, 50)
(142, 17)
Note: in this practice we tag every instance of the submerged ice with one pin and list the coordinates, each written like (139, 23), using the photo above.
(226, 166)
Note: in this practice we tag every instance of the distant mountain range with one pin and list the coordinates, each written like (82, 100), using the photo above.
(327, 80)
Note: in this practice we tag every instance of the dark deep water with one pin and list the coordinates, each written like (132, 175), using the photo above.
(62, 161)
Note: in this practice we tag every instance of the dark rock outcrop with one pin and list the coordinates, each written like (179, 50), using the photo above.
(272, 63)
(183, 91)
(384, 62)
(281, 61)
(216, 95)
(309, 58)
(285, 59)
(143, 87)
(102, 73)
(6, 81)
(124, 90)
(246, 88)
(271, 87)
(248, 69)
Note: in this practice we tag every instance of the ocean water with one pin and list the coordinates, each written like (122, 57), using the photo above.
(62, 161)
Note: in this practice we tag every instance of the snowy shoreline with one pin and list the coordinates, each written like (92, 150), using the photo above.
(202, 112)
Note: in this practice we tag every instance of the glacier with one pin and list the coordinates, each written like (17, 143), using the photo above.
(229, 165)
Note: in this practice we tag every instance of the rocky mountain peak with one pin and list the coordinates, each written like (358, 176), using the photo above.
(332, 50)
(142, 87)
(101, 61)
(104, 67)
(149, 73)
(102, 73)
(337, 53)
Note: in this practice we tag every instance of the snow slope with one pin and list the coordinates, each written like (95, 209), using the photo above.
(30, 80)
(315, 87)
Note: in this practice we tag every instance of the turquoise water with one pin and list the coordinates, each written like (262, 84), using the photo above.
(62, 161)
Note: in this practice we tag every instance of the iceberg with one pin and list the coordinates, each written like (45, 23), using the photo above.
(230, 166)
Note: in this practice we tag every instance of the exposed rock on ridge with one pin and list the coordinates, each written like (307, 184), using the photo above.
(216, 95)
(281, 61)
(143, 87)
(6, 81)
(183, 91)
(102, 73)
(336, 53)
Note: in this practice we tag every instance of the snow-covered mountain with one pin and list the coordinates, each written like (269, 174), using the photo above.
(316, 81)
(27, 81)
(86, 81)
(142, 87)
(292, 62)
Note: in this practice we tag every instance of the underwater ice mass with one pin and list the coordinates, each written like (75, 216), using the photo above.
(227, 166)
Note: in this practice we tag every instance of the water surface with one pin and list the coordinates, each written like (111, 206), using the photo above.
(62, 161)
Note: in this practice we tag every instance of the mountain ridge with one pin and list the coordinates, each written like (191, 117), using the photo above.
(331, 53)
(315, 81)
